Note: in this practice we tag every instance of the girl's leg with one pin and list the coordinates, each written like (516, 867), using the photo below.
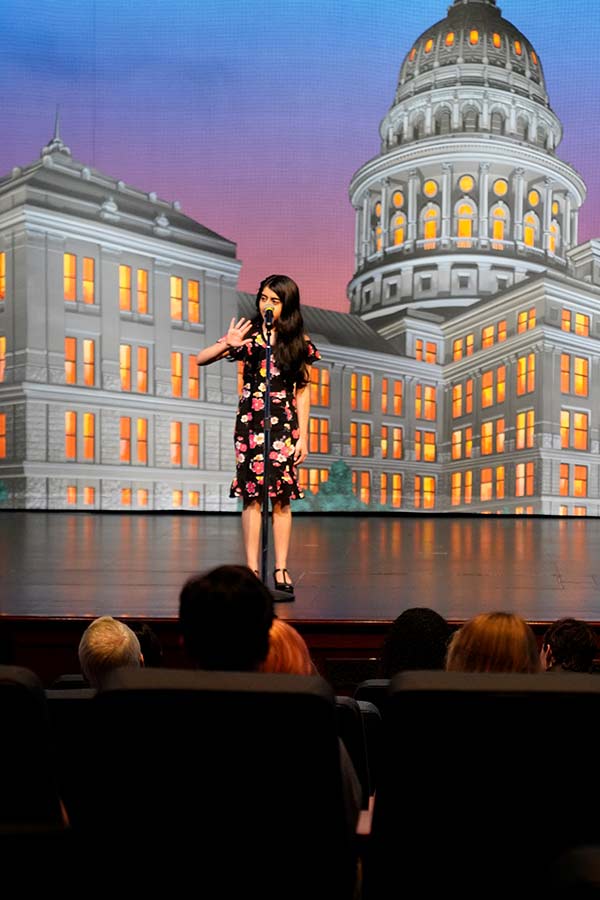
(251, 528)
(282, 532)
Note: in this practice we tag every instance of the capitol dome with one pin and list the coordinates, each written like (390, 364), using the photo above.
(475, 34)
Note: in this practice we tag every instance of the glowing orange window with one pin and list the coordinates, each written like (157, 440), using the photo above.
(89, 436)
(450, 39)
(428, 45)
(529, 229)
(499, 482)
(142, 291)
(430, 224)
(2, 276)
(456, 488)
(125, 366)
(582, 324)
(496, 40)
(457, 349)
(142, 497)
(565, 373)
(498, 228)
(194, 498)
(70, 276)
(353, 439)
(365, 393)
(565, 319)
(353, 390)
(500, 384)
(563, 484)
(70, 435)
(457, 443)
(502, 330)
(580, 431)
(469, 396)
(500, 431)
(486, 485)
(384, 395)
(534, 58)
(487, 389)
(397, 402)
(2, 435)
(194, 377)
(194, 302)
(89, 280)
(194, 444)
(457, 401)
(580, 376)
(399, 229)
(142, 370)
(412, 54)
(518, 48)
(89, 362)
(384, 442)
(470, 344)
(176, 443)
(177, 374)
(125, 288)
(487, 438)
(70, 360)
(71, 495)
(553, 238)
(580, 481)
(365, 439)
(473, 37)
(465, 225)
(125, 496)
(487, 337)
(468, 442)
(468, 486)
(125, 445)
(142, 441)
(565, 427)
(89, 496)
(176, 297)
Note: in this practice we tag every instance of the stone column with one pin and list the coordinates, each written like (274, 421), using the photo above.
(358, 256)
(566, 235)
(412, 205)
(385, 214)
(366, 223)
(484, 186)
(446, 204)
(547, 212)
(518, 210)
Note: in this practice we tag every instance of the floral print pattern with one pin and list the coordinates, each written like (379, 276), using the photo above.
(249, 426)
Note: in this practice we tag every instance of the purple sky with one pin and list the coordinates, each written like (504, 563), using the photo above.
(256, 114)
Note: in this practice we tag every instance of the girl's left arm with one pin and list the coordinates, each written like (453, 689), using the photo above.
(303, 408)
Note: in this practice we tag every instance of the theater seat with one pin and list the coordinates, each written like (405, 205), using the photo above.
(222, 775)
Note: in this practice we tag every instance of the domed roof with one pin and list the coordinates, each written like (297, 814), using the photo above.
(473, 32)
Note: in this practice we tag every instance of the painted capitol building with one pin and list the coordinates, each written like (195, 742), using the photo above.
(466, 376)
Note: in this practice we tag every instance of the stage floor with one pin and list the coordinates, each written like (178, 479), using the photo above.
(346, 568)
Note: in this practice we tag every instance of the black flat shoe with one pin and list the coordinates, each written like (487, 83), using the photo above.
(284, 585)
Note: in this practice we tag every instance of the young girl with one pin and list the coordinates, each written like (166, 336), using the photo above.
(291, 359)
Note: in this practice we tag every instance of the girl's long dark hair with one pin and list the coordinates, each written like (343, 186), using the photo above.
(291, 352)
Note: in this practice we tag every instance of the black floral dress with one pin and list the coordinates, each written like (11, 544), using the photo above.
(249, 426)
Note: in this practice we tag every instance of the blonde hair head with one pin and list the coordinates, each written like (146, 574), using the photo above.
(288, 652)
(493, 642)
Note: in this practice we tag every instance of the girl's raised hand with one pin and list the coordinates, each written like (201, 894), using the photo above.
(236, 333)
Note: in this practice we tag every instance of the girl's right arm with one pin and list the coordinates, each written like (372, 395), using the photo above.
(235, 338)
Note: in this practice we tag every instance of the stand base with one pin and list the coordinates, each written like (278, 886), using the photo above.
(282, 596)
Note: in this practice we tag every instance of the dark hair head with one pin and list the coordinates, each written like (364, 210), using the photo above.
(417, 640)
(572, 644)
(225, 616)
(290, 350)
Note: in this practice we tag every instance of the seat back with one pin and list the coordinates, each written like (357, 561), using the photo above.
(373, 690)
(351, 730)
(223, 773)
(485, 780)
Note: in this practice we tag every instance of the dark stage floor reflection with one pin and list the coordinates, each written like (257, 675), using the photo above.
(346, 568)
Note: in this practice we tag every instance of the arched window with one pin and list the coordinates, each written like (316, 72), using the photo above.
(419, 127)
(465, 216)
(443, 121)
(470, 119)
(522, 127)
(531, 229)
(497, 122)
(554, 239)
(399, 229)
(499, 221)
(378, 239)
(542, 136)
(430, 218)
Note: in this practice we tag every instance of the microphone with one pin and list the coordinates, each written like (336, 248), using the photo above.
(268, 314)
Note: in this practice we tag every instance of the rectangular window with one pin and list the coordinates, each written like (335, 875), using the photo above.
(142, 497)
(502, 330)
(397, 450)
(582, 324)
(70, 435)
(70, 276)
(125, 288)
(580, 430)
(487, 337)
(365, 393)
(353, 439)
(486, 485)
(574, 375)
(457, 349)
(580, 481)
(456, 487)
(194, 302)
(361, 485)
(487, 388)
(2, 357)
(193, 377)
(125, 366)
(425, 402)
(395, 483)
(89, 362)
(193, 445)
(353, 391)
(177, 498)
(419, 349)
(384, 441)
(125, 448)
(397, 398)
(176, 298)
(487, 438)
(457, 443)
(142, 370)
(457, 401)
(469, 486)
(194, 498)
(318, 435)
(565, 319)
(500, 384)
(176, 443)
(2, 277)
(499, 482)
(469, 344)
(89, 280)
(524, 479)
(425, 350)
(424, 492)
(425, 446)
(525, 374)
(563, 485)
(142, 291)
(177, 374)
(2, 435)
(125, 496)
(89, 436)
(469, 396)
(565, 373)
(70, 360)
(142, 441)
(468, 442)
(499, 435)
(384, 395)
(524, 434)
(89, 496)
(365, 439)
(71, 495)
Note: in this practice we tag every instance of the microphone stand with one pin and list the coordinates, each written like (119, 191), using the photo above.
(278, 596)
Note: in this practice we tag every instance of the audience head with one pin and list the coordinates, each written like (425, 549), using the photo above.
(151, 646)
(287, 651)
(493, 642)
(569, 644)
(107, 644)
(225, 616)
(418, 639)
